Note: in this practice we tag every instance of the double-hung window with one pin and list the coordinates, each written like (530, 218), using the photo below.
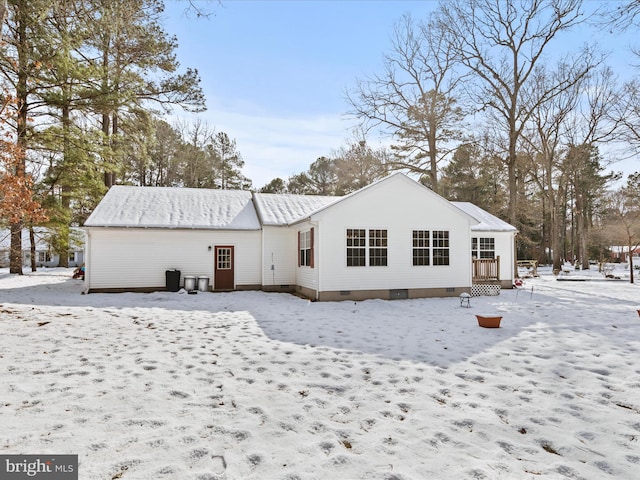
(440, 247)
(367, 247)
(356, 247)
(483, 247)
(305, 248)
(421, 250)
(377, 248)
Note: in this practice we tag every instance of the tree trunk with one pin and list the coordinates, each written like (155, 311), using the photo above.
(15, 254)
(582, 231)
(433, 161)
(63, 232)
(631, 279)
(109, 179)
(584, 241)
(32, 244)
(555, 222)
(513, 180)
(15, 257)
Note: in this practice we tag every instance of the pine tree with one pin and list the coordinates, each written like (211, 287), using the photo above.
(137, 69)
(228, 163)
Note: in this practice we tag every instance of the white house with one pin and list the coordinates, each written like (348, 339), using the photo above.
(491, 239)
(392, 239)
(44, 253)
(135, 234)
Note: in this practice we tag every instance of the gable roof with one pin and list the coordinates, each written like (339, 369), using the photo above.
(488, 222)
(194, 208)
(167, 207)
(283, 209)
(396, 175)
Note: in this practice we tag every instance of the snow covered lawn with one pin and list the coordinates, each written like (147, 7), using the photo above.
(251, 385)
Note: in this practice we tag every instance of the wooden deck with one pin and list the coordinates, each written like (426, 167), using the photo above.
(486, 270)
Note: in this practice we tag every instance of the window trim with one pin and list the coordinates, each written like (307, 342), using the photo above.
(356, 242)
(481, 253)
(420, 246)
(306, 259)
(441, 248)
(378, 254)
(367, 247)
(224, 259)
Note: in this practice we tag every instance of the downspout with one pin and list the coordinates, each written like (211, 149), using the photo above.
(514, 256)
(316, 264)
(262, 257)
(262, 242)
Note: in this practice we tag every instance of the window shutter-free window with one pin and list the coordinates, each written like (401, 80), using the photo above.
(356, 247)
(366, 247)
(377, 248)
(483, 247)
(305, 248)
(421, 247)
(440, 247)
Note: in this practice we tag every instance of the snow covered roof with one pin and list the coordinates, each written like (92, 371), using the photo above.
(337, 200)
(283, 209)
(166, 207)
(194, 208)
(488, 222)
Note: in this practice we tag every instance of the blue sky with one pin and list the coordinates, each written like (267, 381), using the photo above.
(275, 71)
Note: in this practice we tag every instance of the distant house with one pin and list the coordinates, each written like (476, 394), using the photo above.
(45, 256)
(392, 239)
(620, 253)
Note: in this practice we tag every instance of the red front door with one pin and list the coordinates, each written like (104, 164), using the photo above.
(224, 279)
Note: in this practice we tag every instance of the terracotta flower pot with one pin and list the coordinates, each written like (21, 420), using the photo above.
(489, 321)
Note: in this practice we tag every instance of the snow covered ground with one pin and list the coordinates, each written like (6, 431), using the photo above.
(253, 385)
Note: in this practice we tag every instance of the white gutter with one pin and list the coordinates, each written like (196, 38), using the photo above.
(317, 264)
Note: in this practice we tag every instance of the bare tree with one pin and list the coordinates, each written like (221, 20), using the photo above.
(593, 127)
(414, 99)
(197, 8)
(576, 117)
(543, 139)
(622, 15)
(196, 167)
(623, 222)
(626, 114)
(357, 165)
(594, 119)
(501, 42)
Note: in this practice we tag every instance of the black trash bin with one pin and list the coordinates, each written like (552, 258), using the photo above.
(172, 280)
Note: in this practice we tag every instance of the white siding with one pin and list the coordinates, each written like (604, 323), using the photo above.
(399, 206)
(279, 256)
(307, 276)
(138, 258)
(503, 243)
(504, 248)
